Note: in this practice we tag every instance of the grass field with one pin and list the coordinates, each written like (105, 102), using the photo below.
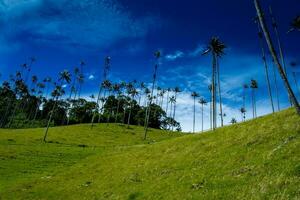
(258, 159)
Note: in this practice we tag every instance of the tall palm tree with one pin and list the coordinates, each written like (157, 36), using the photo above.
(275, 27)
(64, 77)
(293, 65)
(273, 53)
(216, 48)
(107, 88)
(105, 73)
(233, 121)
(194, 95)
(81, 78)
(210, 105)
(260, 36)
(157, 55)
(220, 94)
(243, 111)
(176, 91)
(295, 24)
(133, 93)
(276, 86)
(172, 102)
(168, 94)
(41, 87)
(203, 102)
(254, 86)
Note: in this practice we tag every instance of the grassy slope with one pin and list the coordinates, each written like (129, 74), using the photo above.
(258, 159)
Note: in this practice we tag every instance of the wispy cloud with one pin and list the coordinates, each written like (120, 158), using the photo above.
(174, 56)
(91, 23)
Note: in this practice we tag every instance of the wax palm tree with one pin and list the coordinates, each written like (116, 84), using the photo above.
(41, 87)
(276, 86)
(274, 55)
(117, 88)
(254, 87)
(275, 27)
(245, 87)
(210, 106)
(243, 111)
(105, 73)
(295, 24)
(64, 77)
(233, 121)
(194, 95)
(203, 102)
(133, 93)
(260, 36)
(157, 55)
(168, 94)
(216, 48)
(81, 78)
(47, 81)
(142, 88)
(293, 65)
(172, 101)
(176, 91)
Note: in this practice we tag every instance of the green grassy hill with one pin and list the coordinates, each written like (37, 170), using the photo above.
(259, 159)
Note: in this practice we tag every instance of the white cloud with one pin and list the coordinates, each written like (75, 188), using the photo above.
(174, 56)
(96, 23)
(91, 77)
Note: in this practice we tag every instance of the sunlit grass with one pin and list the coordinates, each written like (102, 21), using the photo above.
(254, 160)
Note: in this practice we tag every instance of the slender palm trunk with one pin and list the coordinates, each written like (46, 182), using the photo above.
(220, 95)
(210, 111)
(102, 106)
(174, 112)
(281, 54)
(276, 60)
(118, 107)
(202, 117)
(194, 110)
(150, 102)
(129, 115)
(253, 105)
(97, 106)
(276, 87)
(214, 113)
(296, 83)
(266, 67)
(167, 106)
(49, 120)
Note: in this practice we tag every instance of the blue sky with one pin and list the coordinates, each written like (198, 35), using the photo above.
(61, 33)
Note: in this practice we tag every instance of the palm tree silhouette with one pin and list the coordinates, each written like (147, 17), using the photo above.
(176, 91)
(168, 94)
(203, 102)
(295, 24)
(233, 121)
(260, 36)
(293, 65)
(172, 102)
(157, 55)
(105, 74)
(274, 55)
(243, 111)
(194, 95)
(64, 77)
(216, 48)
(133, 92)
(276, 86)
(254, 86)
